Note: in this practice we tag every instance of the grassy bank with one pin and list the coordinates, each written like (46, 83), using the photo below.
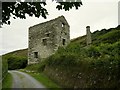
(88, 67)
(7, 82)
(42, 78)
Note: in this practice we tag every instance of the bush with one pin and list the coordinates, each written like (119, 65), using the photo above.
(64, 60)
(15, 62)
(93, 51)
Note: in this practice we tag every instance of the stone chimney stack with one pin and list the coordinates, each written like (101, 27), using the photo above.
(88, 34)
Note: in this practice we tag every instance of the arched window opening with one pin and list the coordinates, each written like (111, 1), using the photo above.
(63, 25)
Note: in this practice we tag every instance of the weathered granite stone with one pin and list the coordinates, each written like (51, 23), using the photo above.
(45, 38)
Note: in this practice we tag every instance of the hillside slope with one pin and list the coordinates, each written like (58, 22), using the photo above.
(103, 36)
(96, 66)
(16, 59)
(22, 52)
(78, 66)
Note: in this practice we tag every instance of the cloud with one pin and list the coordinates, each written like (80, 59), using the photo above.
(98, 14)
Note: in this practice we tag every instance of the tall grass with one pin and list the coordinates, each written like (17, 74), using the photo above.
(7, 82)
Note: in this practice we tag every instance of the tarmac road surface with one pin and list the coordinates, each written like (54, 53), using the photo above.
(23, 80)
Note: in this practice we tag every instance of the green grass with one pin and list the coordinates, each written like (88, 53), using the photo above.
(42, 78)
(7, 82)
(33, 67)
(95, 66)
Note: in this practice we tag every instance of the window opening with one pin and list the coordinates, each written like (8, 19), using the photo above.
(63, 41)
(44, 41)
(63, 25)
(35, 54)
(48, 35)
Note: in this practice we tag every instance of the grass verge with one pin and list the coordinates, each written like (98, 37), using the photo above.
(7, 82)
(42, 78)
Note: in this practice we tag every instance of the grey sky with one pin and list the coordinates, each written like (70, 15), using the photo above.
(98, 14)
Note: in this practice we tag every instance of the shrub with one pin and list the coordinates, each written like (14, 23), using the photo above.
(62, 60)
(93, 51)
(15, 62)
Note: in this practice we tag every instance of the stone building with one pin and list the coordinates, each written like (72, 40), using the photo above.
(45, 38)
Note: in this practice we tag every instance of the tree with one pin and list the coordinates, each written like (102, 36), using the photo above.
(19, 9)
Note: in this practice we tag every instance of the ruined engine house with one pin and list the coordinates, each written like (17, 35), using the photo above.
(45, 38)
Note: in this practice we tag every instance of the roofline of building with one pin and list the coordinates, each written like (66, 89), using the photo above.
(50, 21)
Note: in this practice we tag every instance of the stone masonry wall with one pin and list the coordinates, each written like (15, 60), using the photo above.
(45, 38)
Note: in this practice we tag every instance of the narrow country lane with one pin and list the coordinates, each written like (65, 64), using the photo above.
(23, 80)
